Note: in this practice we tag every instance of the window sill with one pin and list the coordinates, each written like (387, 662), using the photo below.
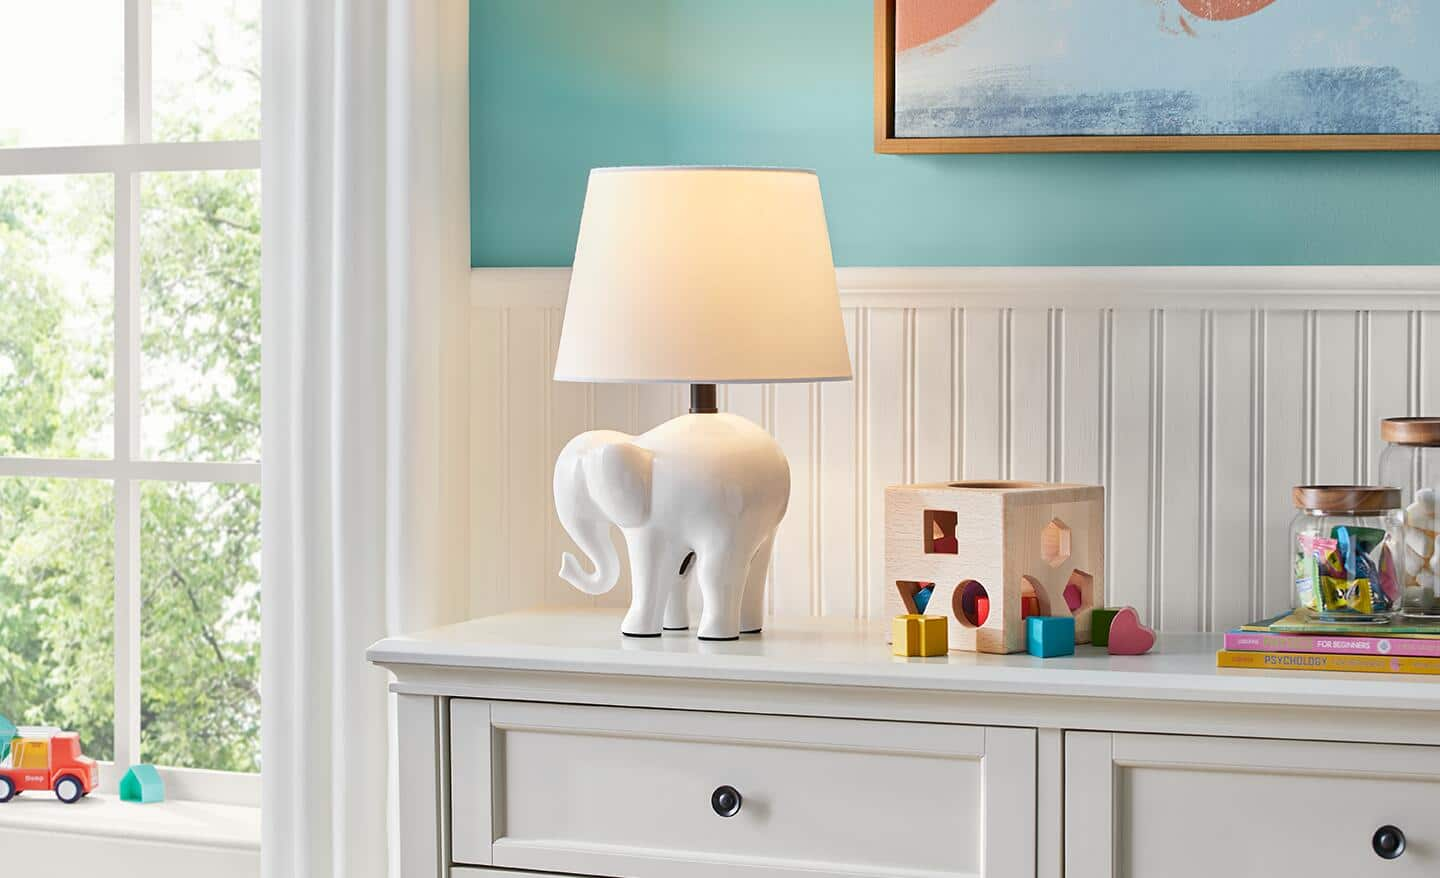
(190, 824)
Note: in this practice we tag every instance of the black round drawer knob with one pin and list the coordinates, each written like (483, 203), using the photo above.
(726, 801)
(1388, 842)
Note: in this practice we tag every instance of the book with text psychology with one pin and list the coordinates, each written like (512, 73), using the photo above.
(1302, 661)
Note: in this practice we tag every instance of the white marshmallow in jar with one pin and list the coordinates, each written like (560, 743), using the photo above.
(1411, 462)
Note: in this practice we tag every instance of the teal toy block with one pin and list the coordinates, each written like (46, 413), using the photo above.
(143, 784)
(1050, 636)
(1100, 619)
(7, 734)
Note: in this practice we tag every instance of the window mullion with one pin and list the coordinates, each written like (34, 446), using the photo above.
(137, 71)
(127, 384)
(127, 489)
(127, 622)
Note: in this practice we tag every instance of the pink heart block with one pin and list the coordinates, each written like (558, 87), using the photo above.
(1128, 636)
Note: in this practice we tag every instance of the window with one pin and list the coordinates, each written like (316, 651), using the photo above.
(129, 383)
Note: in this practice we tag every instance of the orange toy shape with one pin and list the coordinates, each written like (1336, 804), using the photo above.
(1224, 10)
(919, 21)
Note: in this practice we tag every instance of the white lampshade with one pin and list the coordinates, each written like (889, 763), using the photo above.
(703, 275)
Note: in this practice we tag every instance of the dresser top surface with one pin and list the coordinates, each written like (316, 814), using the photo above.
(854, 653)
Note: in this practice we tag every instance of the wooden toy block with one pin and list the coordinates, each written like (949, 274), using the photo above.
(1100, 618)
(912, 634)
(1050, 636)
(1010, 547)
(1029, 606)
(981, 610)
(1128, 635)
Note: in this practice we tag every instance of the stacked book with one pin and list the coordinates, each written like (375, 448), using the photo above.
(1297, 642)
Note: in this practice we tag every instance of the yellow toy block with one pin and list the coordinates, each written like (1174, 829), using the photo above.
(913, 634)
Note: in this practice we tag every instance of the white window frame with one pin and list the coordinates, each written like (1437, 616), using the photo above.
(126, 469)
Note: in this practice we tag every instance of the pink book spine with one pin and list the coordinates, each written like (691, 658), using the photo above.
(1331, 644)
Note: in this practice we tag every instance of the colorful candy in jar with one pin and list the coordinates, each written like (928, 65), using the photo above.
(1347, 595)
(1316, 558)
(1351, 570)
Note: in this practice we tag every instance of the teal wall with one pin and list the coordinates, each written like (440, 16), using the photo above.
(560, 86)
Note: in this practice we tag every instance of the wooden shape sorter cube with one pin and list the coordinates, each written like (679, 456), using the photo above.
(997, 543)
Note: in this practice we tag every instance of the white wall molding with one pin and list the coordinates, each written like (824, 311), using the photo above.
(1198, 396)
(1307, 287)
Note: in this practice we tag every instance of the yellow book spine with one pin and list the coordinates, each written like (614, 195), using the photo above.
(1301, 661)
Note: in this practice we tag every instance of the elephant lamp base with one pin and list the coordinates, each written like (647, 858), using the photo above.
(698, 498)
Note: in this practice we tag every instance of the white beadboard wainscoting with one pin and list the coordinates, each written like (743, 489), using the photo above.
(1197, 396)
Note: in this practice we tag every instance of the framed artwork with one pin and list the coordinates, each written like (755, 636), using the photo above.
(1156, 75)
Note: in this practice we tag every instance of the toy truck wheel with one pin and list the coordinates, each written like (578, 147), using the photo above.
(7, 789)
(69, 790)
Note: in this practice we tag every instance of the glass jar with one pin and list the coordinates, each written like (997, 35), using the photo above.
(1344, 540)
(1411, 462)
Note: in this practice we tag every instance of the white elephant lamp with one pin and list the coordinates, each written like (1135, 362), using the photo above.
(697, 497)
(698, 276)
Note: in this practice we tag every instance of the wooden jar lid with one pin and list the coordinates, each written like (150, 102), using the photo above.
(1411, 431)
(1346, 498)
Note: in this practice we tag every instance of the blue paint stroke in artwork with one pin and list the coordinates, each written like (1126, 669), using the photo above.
(1334, 100)
(999, 110)
(1340, 100)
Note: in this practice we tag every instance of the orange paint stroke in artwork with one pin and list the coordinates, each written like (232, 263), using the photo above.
(919, 21)
(1224, 10)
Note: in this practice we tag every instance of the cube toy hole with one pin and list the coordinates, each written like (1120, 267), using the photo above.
(1055, 542)
(1079, 592)
(940, 533)
(915, 595)
(995, 486)
(970, 604)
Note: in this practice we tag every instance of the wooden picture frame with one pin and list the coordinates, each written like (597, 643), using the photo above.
(886, 141)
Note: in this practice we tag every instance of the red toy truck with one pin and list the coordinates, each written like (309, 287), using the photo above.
(48, 759)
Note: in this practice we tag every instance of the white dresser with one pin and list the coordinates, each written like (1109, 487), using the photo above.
(547, 743)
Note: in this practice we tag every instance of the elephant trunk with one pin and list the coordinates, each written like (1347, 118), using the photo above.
(592, 537)
(601, 478)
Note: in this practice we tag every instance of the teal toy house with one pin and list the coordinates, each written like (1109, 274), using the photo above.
(142, 783)
(7, 734)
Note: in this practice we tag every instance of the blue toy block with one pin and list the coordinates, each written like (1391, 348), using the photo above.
(1049, 636)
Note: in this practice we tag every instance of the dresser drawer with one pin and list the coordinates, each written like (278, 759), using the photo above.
(632, 792)
(1180, 806)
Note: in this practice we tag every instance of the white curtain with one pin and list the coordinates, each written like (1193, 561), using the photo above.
(365, 248)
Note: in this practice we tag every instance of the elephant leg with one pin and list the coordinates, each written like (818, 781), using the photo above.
(677, 609)
(752, 605)
(722, 577)
(653, 573)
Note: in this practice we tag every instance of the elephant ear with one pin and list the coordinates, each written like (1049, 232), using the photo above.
(618, 475)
